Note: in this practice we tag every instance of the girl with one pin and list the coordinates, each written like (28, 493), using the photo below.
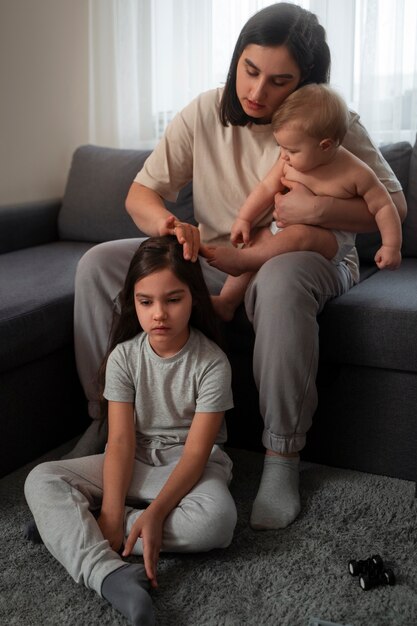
(162, 483)
(223, 142)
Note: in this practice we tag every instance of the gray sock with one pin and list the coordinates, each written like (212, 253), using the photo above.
(277, 503)
(31, 532)
(126, 590)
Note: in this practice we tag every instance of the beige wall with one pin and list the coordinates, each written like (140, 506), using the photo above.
(43, 95)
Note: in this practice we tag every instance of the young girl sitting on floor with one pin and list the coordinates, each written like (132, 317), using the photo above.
(162, 483)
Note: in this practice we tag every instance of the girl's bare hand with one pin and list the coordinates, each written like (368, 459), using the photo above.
(149, 528)
(188, 236)
(112, 531)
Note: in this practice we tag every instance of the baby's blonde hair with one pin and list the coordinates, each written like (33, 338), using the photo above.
(318, 110)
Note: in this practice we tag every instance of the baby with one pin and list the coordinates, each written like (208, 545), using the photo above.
(309, 128)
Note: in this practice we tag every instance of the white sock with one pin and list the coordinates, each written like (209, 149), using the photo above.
(277, 503)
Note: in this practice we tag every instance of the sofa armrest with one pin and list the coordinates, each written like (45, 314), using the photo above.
(26, 225)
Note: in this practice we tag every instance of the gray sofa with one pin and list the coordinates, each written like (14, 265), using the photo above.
(367, 413)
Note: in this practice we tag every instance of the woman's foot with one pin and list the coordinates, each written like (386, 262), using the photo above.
(277, 503)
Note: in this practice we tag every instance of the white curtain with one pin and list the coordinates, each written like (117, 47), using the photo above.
(149, 58)
(385, 89)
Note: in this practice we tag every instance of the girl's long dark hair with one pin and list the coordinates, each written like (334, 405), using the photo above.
(153, 255)
(280, 24)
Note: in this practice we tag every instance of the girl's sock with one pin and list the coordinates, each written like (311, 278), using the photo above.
(277, 503)
(126, 590)
(31, 532)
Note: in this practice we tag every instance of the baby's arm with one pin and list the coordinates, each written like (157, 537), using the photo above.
(187, 472)
(260, 199)
(117, 471)
(386, 215)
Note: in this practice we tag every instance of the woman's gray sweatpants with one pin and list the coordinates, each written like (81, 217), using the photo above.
(64, 495)
(282, 302)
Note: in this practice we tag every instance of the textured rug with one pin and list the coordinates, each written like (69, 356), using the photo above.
(277, 578)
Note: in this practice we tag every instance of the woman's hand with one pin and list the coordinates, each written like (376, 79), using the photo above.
(188, 236)
(297, 206)
(148, 527)
(240, 231)
(112, 531)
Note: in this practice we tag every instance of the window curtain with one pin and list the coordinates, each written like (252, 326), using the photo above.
(385, 82)
(149, 58)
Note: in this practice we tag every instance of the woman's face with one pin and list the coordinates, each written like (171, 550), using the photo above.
(265, 77)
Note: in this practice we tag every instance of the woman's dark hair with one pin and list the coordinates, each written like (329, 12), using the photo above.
(153, 255)
(280, 24)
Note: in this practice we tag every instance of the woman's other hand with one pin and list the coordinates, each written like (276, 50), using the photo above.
(297, 206)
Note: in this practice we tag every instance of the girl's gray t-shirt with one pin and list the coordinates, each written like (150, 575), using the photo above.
(167, 392)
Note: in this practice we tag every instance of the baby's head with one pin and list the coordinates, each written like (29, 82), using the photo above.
(310, 126)
(317, 110)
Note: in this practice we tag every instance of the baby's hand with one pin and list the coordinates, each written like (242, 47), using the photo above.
(240, 232)
(388, 257)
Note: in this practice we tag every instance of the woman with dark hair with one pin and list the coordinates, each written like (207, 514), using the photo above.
(223, 142)
(162, 483)
(287, 25)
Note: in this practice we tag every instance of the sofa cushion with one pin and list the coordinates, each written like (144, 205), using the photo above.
(398, 156)
(29, 224)
(36, 317)
(93, 207)
(373, 324)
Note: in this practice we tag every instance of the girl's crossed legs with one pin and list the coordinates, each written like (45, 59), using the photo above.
(65, 497)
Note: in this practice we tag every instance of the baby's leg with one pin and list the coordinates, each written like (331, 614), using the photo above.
(234, 289)
(232, 294)
(265, 246)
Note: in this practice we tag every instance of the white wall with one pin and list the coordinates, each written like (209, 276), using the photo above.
(43, 95)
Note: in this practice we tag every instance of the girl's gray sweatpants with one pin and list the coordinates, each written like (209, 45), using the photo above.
(64, 496)
(282, 302)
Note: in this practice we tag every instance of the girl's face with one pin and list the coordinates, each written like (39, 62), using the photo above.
(163, 306)
(265, 77)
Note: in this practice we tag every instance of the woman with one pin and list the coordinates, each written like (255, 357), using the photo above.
(223, 142)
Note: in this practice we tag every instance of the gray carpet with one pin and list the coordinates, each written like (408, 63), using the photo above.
(280, 578)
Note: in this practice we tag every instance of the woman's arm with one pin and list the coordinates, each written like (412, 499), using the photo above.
(301, 206)
(117, 471)
(150, 214)
(189, 469)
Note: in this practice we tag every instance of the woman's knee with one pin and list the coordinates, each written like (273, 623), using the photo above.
(110, 257)
(285, 273)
